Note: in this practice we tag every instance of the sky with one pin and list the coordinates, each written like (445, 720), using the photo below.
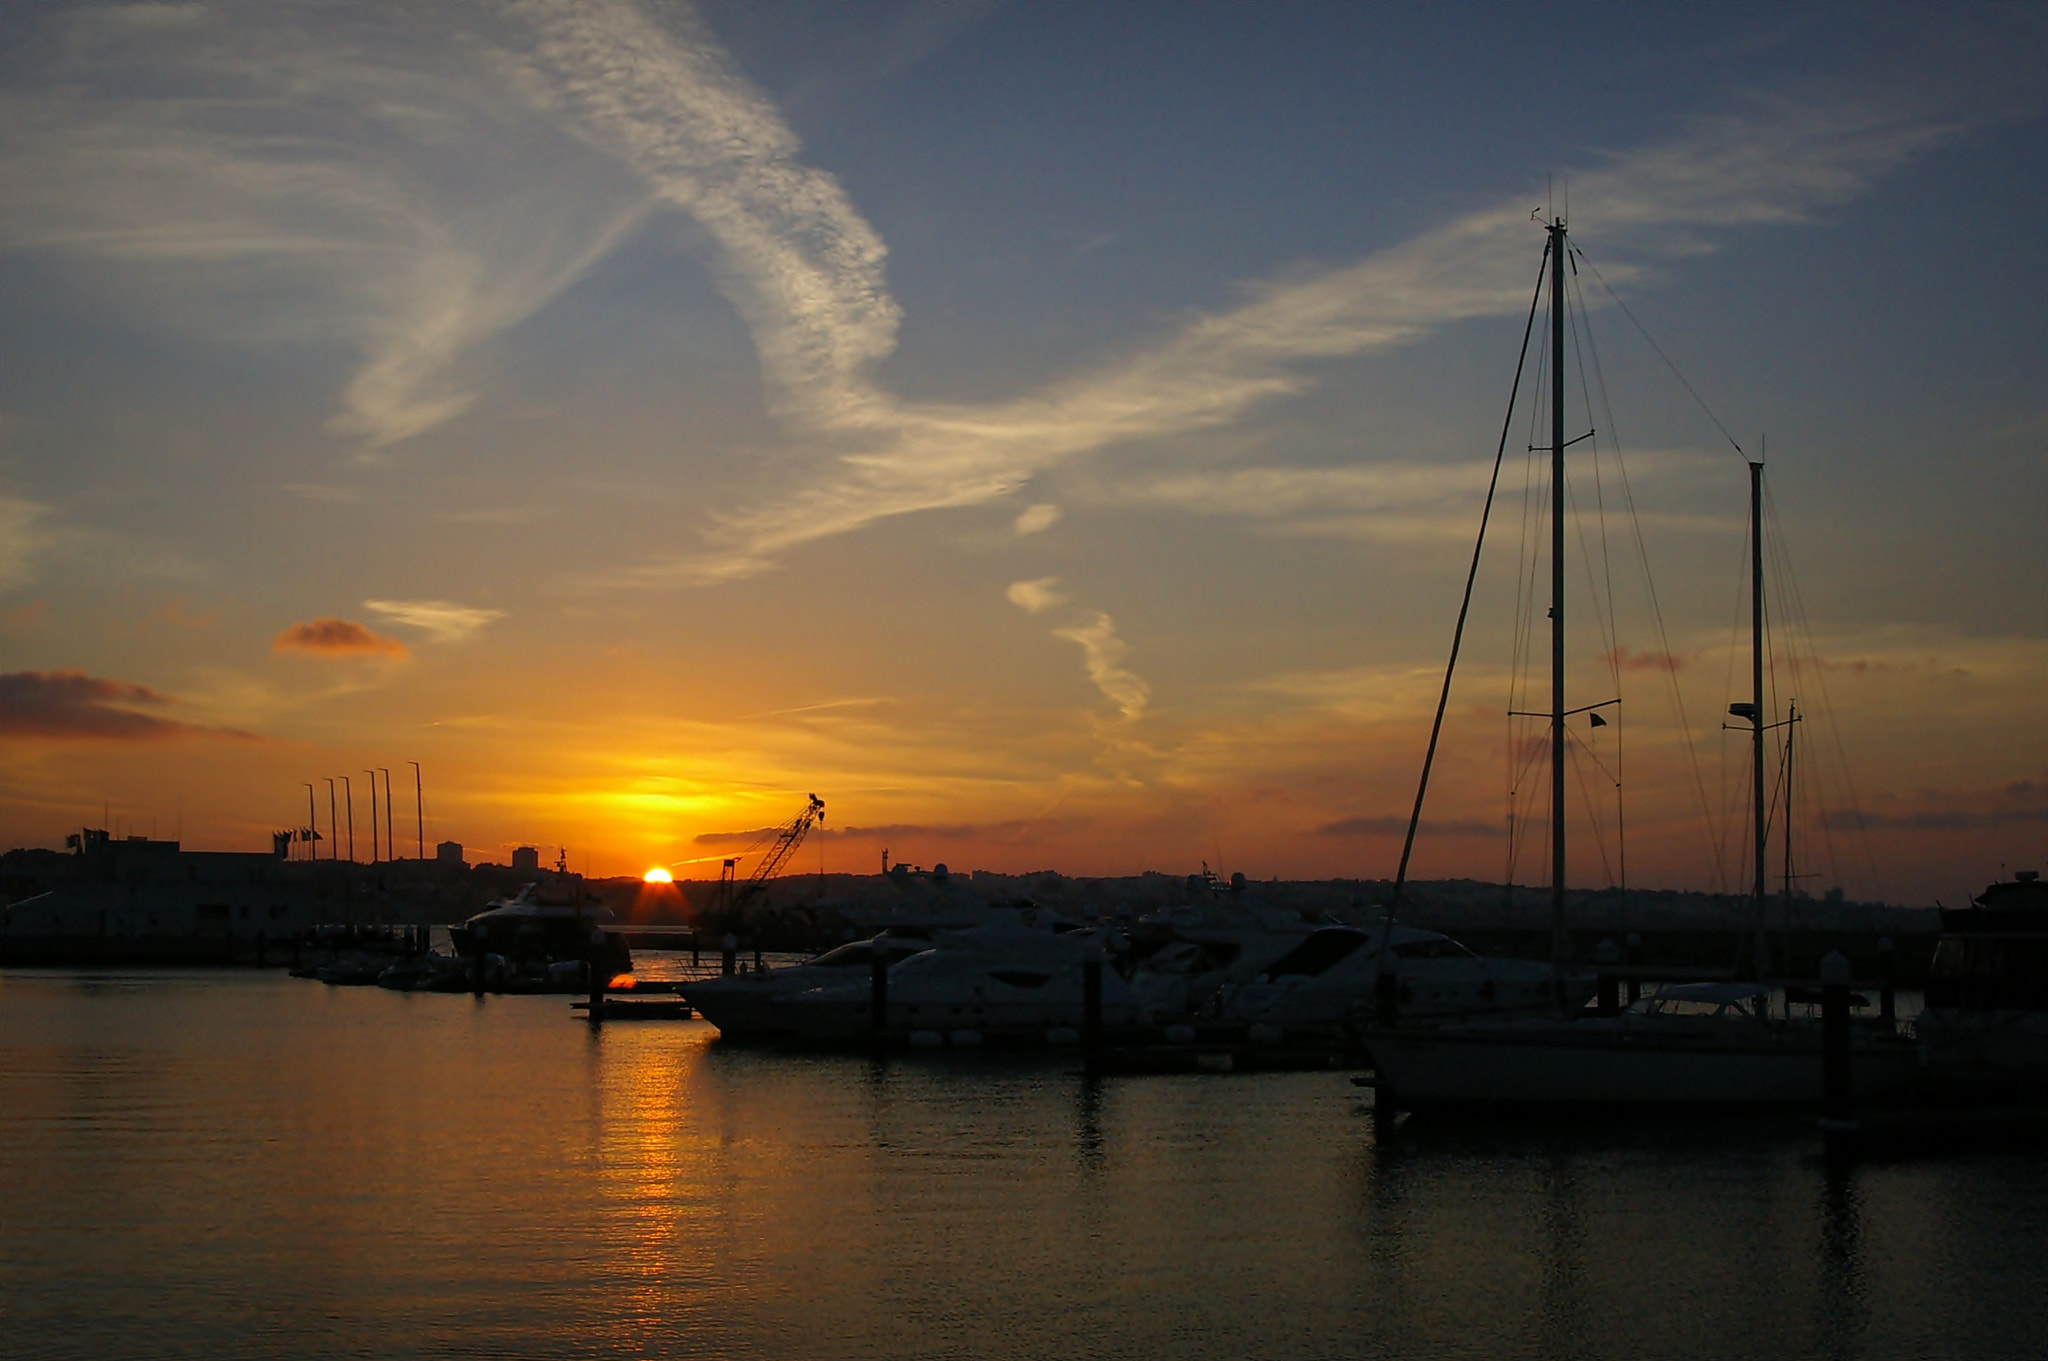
(1054, 434)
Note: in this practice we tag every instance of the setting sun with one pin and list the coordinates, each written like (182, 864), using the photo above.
(658, 875)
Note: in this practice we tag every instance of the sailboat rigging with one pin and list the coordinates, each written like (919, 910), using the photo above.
(1711, 1043)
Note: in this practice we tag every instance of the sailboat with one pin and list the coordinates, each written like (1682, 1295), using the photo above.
(1693, 1044)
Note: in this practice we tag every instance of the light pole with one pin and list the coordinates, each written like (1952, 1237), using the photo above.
(333, 832)
(390, 837)
(349, 795)
(373, 815)
(418, 809)
(312, 825)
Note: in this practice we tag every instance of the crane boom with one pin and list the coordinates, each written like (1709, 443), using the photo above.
(788, 839)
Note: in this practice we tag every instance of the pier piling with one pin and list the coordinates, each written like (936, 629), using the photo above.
(1834, 1039)
(878, 992)
(1888, 972)
(1091, 1003)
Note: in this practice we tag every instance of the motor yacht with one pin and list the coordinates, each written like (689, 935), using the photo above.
(742, 1006)
(523, 938)
(1326, 985)
(1986, 1012)
(986, 983)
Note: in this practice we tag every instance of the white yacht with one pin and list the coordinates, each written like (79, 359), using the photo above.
(1328, 982)
(742, 1005)
(1221, 936)
(984, 983)
(1689, 1044)
(1986, 1016)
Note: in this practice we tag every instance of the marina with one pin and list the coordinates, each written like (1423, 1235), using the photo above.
(242, 1164)
(964, 753)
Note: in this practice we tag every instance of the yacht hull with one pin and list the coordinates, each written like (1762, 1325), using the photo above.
(1564, 1066)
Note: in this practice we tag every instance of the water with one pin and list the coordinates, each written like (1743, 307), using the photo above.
(242, 1164)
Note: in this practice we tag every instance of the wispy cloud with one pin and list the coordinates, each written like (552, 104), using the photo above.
(22, 536)
(1396, 826)
(446, 620)
(1105, 653)
(418, 181)
(279, 171)
(1037, 519)
(1778, 162)
(1035, 597)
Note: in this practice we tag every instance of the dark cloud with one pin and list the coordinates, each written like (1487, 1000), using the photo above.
(73, 705)
(1399, 827)
(1646, 661)
(1936, 820)
(1018, 831)
(337, 638)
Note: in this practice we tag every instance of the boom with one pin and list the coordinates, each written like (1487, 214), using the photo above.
(786, 842)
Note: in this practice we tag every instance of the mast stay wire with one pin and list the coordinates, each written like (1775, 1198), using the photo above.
(1458, 634)
(1583, 320)
(1802, 624)
(1648, 339)
(1535, 500)
(1716, 832)
(1586, 797)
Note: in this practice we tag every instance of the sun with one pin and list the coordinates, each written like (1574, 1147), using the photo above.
(658, 875)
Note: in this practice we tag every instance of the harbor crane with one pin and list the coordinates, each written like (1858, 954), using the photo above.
(732, 895)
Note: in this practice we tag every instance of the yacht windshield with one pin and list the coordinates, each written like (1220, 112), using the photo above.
(1318, 953)
(1432, 949)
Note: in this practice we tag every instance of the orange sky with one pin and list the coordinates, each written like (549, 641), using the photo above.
(1077, 477)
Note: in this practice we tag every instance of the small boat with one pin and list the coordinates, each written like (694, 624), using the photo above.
(523, 939)
(742, 1006)
(1689, 1044)
(1986, 1012)
(984, 984)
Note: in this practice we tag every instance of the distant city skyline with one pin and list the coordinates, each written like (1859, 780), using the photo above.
(1053, 434)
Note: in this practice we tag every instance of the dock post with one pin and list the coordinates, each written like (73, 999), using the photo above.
(1091, 1002)
(878, 991)
(1888, 972)
(1607, 954)
(759, 967)
(597, 982)
(729, 954)
(1834, 1040)
(1635, 985)
(695, 962)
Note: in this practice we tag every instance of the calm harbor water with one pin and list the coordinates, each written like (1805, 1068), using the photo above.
(243, 1164)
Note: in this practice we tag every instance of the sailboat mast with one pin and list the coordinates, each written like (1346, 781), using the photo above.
(1560, 942)
(1761, 888)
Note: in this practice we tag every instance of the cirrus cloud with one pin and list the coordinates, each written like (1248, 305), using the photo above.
(446, 620)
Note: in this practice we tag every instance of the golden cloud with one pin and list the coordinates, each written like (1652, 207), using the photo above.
(332, 637)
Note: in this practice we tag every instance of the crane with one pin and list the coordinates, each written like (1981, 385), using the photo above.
(787, 839)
